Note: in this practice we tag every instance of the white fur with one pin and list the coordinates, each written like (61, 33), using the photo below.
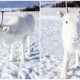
(18, 28)
(71, 39)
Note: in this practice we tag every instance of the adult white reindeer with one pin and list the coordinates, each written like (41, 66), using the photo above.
(71, 39)
(18, 28)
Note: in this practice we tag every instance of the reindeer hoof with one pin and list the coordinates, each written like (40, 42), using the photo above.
(78, 66)
(63, 76)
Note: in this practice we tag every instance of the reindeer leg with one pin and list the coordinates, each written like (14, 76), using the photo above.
(77, 63)
(12, 52)
(23, 49)
(28, 43)
(65, 65)
(22, 58)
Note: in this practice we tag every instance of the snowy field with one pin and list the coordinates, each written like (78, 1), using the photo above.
(51, 44)
(49, 61)
(29, 69)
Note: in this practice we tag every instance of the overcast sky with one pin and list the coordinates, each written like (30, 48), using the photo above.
(17, 4)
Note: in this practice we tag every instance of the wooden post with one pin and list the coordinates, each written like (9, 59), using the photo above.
(2, 19)
(66, 6)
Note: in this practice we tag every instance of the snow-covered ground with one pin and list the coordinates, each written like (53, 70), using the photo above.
(49, 61)
(29, 69)
(51, 45)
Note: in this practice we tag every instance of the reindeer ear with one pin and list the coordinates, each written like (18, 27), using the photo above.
(61, 14)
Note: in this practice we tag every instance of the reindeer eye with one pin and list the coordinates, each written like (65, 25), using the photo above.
(66, 22)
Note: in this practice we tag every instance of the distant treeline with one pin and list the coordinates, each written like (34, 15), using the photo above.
(69, 4)
(34, 8)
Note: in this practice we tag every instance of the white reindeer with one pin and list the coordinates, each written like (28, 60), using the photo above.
(18, 28)
(71, 39)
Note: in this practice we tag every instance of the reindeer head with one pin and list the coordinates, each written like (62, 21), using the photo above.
(69, 18)
(70, 24)
(4, 28)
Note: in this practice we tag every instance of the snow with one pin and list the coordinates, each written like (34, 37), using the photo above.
(51, 45)
(30, 68)
(48, 63)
